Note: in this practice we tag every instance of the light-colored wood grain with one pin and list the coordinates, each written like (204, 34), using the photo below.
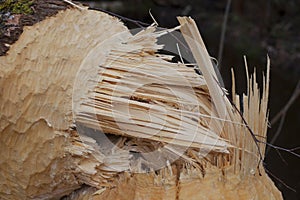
(44, 79)
(39, 159)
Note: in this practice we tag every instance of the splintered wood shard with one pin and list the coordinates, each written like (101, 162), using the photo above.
(142, 95)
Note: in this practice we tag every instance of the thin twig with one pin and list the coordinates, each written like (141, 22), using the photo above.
(295, 149)
(181, 42)
(282, 114)
(277, 132)
(291, 151)
(224, 25)
(294, 96)
(281, 181)
(73, 4)
(136, 22)
(281, 157)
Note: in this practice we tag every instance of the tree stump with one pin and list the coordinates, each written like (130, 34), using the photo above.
(44, 157)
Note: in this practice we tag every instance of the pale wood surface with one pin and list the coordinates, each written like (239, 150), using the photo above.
(42, 157)
(36, 83)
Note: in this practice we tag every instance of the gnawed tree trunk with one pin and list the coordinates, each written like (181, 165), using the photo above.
(43, 156)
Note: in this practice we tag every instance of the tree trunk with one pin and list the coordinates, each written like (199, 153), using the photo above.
(43, 156)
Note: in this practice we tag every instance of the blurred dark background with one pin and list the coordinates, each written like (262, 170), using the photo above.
(255, 29)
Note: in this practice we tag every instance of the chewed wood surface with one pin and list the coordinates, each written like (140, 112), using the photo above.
(44, 157)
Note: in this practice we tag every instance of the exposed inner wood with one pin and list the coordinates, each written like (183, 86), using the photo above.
(44, 80)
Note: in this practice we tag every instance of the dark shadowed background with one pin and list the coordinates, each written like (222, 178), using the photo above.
(254, 28)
